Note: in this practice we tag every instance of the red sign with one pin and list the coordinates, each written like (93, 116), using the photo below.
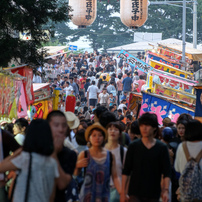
(27, 83)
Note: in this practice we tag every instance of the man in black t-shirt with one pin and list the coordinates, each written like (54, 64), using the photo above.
(147, 160)
(65, 157)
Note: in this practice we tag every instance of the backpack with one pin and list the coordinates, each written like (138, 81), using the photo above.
(191, 179)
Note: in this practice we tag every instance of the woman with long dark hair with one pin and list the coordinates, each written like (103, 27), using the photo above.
(38, 170)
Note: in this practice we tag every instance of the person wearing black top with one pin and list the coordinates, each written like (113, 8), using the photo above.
(146, 161)
(65, 157)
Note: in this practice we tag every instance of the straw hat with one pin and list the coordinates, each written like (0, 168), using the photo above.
(95, 125)
(72, 121)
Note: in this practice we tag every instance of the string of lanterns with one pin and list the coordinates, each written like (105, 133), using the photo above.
(133, 13)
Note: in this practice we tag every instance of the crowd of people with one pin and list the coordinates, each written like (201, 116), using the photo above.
(69, 158)
(93, 79)
(103, 151)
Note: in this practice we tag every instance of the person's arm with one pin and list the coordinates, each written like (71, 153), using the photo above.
(52, 197)
(166, 174)
(64, 178)
(166, 189)
(115, 178)
(82, 162)
(124, 190)
(7, 165)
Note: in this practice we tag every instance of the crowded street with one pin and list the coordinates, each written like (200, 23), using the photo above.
(116, 120)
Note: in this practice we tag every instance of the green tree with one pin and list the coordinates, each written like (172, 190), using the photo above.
(32, 15)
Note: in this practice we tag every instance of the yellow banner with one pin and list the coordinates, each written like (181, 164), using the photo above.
(177, 94)
(166, 68)
(43, 108)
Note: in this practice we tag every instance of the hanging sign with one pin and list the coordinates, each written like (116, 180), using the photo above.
(135, 62)
(162, 108)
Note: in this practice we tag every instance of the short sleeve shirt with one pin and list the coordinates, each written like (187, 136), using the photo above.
(44, 170)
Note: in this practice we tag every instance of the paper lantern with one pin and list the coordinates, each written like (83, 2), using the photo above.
(83, 12)
(133, 13)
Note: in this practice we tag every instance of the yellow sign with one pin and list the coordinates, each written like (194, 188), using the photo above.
(166, 68)
(177, 94)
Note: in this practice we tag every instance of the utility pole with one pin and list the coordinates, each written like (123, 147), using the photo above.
(183, 34)
(195, 24)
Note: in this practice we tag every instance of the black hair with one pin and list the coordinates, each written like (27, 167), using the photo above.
(107, 117)
(129, 117)
(9, 127)
(119, 76)
(184, 116)
(141, 77)
(182, 121)
(193, 131)
(99, 110)
(128, 74)
(39, 138)
(111, 107)
(53, 114)
(134, 128)
(93, 82)
(22, 122)
(80, 137)
(136, 73)
(119, 110)
(148, 119)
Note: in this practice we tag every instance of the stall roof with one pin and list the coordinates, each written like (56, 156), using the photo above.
(191, 53)
(147, 45)
(133, 47)
(54, 49)
(38, 86)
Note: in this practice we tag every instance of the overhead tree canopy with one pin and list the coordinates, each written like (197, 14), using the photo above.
(32, 15)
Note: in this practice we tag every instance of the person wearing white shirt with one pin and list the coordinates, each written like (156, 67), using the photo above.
(19, 130)
(92, 95)
(68, 89)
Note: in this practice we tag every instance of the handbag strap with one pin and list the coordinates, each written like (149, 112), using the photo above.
(186, 151)
(28, 177)
(187, 154)
(199, 156)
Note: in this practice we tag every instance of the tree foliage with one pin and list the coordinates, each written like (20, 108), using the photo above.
(32, 15)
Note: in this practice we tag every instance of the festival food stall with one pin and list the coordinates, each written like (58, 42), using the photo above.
(14, 97)
(168, 91)
(43, 103)
(163, 107)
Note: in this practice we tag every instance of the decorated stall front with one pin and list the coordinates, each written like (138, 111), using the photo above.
(13, 97)
(43, 101)
(163, 107)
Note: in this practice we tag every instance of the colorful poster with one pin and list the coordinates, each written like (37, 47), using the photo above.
(155, 56)
(134, 100)
(162, 108)
(135, 62)
(27, 83)
(43, 108)
(177, 94)
(21, 102)
(166, 68)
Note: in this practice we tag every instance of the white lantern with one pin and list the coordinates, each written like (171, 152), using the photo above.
(133, 13)
(83, 12)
